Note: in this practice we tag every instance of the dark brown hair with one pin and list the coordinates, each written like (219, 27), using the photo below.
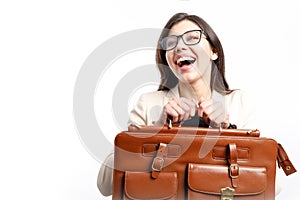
(168, 79)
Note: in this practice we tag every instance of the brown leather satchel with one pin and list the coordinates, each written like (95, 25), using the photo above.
(196, 163)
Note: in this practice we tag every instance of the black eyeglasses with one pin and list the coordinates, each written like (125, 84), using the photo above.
(191, 37)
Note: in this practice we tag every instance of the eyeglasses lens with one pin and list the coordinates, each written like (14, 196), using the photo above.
(189, 38)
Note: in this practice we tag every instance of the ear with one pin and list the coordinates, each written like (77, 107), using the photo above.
(214, 54)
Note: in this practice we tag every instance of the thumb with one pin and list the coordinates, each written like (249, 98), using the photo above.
(201, 99)
(200, 111)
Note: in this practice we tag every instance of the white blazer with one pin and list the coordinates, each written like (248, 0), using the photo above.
(150, 105)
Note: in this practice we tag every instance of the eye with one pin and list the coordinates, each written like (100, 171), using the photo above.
(192, 38)
(170, 42)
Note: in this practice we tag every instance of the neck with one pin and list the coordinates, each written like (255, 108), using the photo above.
(195, 90)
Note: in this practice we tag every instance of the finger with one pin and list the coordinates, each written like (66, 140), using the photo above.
(180, 109)
(186, 112)
(170, 111)
(212, 113)
(226, 123)
(193, 105)
(206, 119)
(205, 107)
(218, 119)
(216, 112)
(201, 99)
(200, 113)
(188, 107)
(164, 117)
(218, 116)
(175, 110)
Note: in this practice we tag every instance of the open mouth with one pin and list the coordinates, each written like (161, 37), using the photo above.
(182, 61)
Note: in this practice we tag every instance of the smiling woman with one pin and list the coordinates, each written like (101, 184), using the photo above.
(193, 89)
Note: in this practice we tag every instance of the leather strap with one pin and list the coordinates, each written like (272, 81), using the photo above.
(284, 161)
(158, 161)
(233, 165)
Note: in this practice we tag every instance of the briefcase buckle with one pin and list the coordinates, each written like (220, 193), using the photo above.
(227, 193)
(234, 171)
(157, 161)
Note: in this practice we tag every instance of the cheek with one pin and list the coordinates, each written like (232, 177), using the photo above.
(203, 59)
(205, 49)
(169, 58)
(202, 53)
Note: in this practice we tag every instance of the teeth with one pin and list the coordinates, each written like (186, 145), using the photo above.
(182, 59)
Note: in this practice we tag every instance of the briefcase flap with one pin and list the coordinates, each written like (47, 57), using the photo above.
(210, 179)
(140, 185)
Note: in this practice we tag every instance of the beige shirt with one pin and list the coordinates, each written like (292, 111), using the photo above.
(150, 105)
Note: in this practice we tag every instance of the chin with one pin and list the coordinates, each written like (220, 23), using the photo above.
(189, 78)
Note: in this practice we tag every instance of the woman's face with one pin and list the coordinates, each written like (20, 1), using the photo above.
(190, 62)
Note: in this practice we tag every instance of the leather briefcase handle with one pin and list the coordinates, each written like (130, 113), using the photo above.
(195, 130)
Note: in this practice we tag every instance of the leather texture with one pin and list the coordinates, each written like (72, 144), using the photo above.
(137, 185)
(284, 161)
(157, 165)
(252, 181)
(196, 131)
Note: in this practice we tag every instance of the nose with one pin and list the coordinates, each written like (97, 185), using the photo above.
(181, 44)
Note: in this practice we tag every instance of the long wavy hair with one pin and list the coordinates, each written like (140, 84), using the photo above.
(168, 79)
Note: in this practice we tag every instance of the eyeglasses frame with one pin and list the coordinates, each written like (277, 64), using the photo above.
(180, 36)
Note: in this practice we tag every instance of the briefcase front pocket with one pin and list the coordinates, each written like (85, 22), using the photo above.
(140, 185)
(212, 182)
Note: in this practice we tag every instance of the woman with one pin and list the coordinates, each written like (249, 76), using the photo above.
(193, 89)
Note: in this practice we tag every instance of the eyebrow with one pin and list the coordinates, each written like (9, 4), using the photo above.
(169, 34)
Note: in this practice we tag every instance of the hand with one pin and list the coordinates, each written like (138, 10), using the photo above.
(179, 110)
(213, 113)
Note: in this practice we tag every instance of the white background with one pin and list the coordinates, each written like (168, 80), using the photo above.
(43, 45)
